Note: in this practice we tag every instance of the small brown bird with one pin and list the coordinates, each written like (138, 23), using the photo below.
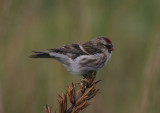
(81, 58)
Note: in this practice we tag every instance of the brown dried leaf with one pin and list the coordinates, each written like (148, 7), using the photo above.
(48, 109)
(80, 107)
(72, 94)
(79, 100)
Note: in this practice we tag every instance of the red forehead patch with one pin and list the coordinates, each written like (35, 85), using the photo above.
(108, 40)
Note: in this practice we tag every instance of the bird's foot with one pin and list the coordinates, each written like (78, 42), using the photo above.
(88, 79)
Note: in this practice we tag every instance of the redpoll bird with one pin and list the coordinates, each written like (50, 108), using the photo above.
(81, 58)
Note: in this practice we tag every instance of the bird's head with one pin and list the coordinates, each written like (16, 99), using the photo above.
(104, 42)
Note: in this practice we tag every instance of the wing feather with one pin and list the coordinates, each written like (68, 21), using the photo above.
(89, 48)
(75, 50)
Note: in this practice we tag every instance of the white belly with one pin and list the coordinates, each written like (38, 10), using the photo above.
(87, 63)
(84, 63)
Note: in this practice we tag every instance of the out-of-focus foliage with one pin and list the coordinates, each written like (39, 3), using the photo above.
(131, 81)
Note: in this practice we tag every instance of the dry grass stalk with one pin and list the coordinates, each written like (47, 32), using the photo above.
(79, 100)
(48, 109)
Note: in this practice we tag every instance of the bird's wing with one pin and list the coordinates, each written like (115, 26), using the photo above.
(75, 50)
(72, 48)
(89, 48)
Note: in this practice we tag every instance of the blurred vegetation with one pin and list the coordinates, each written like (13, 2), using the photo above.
(131, 79)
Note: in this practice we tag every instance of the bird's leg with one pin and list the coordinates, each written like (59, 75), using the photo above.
(89, 75)
(89, 78)
(84, 76)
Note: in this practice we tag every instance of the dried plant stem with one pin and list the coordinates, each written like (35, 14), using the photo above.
(78, 99)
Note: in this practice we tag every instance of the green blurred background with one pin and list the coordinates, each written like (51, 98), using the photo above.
(131, 79)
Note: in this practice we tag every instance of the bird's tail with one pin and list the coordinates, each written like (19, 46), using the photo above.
(40, 54)
(65, 60)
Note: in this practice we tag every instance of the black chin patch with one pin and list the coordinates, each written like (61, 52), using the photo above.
(109, 51)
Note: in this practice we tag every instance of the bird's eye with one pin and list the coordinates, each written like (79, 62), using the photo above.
(108, 46)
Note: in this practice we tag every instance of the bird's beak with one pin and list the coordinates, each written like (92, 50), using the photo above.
(111, 48)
